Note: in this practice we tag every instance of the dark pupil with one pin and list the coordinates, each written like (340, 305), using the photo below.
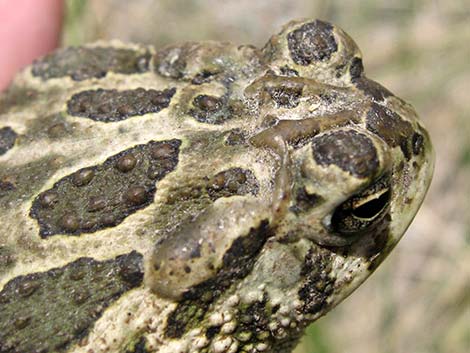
(373, 207)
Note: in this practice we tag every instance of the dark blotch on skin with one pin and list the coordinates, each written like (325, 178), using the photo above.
(210, 109)
(171, 63)
(318, 284)
(372, 89)
(391, 128)
(305, 201)
(235, 181)
(238, 262)
(349, 150)
(131, 271)
(75, 208)
(82, 63)
(356, 69)
(6, 187)
(329, 98)
(7, 258)
(7, 139)
(195, 252)
(54, 126)
(138, 347)
(26, 179)
(64, 303)
(57, 130)
(112, 105)
(15, 97)
(235, 137)
(417, 143)
(313, 41)
(208, 103)
(202, 77)
(286, 97)
(253, 318)
(211, 332)
(287, 71)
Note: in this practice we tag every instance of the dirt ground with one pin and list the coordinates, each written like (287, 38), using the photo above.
(419, 299)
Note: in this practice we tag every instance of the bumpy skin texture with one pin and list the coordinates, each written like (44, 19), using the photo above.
(206, 197)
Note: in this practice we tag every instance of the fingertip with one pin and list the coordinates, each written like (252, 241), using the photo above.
(28, 29)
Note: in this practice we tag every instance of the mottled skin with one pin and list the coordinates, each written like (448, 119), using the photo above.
(203, 198)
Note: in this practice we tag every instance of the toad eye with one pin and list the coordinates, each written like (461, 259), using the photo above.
(362, 211)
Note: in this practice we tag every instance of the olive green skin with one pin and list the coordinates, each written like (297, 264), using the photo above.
(206, 197)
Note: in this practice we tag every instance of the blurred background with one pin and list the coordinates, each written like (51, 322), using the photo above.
(419, 299)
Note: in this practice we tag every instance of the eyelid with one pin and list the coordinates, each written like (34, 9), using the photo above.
(356, 203)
